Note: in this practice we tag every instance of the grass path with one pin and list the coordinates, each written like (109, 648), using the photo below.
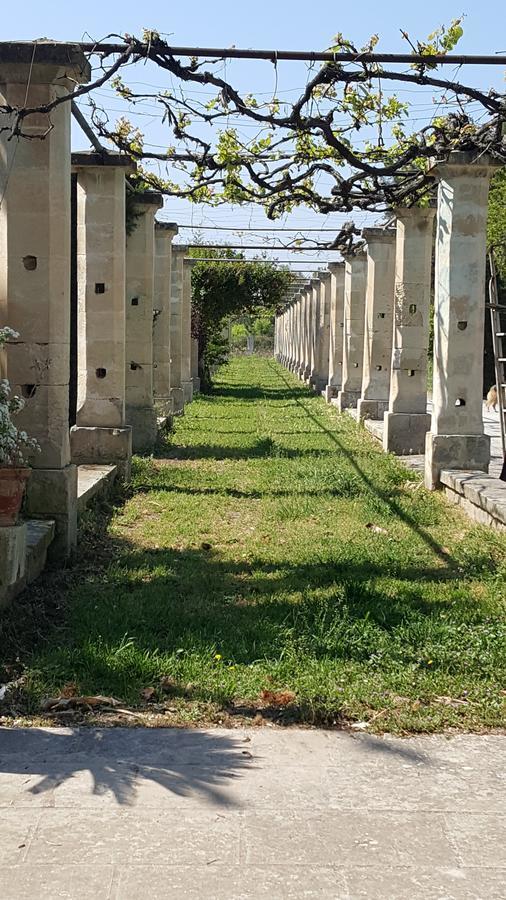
(242, 578)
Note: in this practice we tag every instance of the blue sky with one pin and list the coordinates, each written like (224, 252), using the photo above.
(279, 24)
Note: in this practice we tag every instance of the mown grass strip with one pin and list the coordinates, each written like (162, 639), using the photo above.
(244, 562)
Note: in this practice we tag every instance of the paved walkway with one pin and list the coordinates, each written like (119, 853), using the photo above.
(151, 813)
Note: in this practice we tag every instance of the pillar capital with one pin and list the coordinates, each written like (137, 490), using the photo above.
(90, 159)
(150, 200)
(359, 256)
(461, 162)
(415, 213)
(378, 235)
(169, 229)
(336, 267)
(44, 61)
(324, 275)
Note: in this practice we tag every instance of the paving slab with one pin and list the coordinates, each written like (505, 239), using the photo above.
(244, 813)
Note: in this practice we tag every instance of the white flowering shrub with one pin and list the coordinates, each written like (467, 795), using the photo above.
(15, 445)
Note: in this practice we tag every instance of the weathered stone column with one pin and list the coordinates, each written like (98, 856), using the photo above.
(300, 332)
(336, 330)
(186, 331)
(35, 268)
(407, 422)
(456, 439)
(355, 282)
(140, 257)
(323, 332)
(289, 332)
(195, 366)
(297, 331)
(306, 355)
(164, 234)
(378, 327)
(176, 311)
(293, 333)
(314, 324)
(100, 434)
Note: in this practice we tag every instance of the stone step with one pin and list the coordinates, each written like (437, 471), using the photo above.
(93, 480)
(481, 496)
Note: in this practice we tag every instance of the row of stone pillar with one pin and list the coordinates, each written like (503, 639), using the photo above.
(134, 345)
(360, 332)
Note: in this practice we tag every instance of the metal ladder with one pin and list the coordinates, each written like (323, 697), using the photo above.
(498, 323)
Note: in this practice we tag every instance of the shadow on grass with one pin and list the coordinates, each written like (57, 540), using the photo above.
(382, 495)
(243, 393)
(261, 449)
(179, 603)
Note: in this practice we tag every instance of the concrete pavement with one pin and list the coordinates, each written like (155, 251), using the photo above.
(261, 812)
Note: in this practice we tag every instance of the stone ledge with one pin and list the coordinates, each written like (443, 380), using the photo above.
(375, 427)
(36, 536)
(93, 480)
(40, 533)
(483, 497)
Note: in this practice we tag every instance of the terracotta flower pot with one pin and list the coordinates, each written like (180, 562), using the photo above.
(12, 487)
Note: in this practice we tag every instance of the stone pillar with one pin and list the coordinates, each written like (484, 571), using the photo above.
(164, 234)
(304, 362)
(336, 330)
(186, 331)
(140, 255)
(285, 325)
(195, 366)
(292, 321)
(289, 332)
(287, 321)
(300, 332)
(323, 332)
(314, 326)
(407, 422)
(456, 439)
(100, 434)
(378, 326)
(355, 282)
(176, 310)
(295, 336)
(35, 268)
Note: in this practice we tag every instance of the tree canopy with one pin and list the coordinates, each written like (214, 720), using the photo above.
(223, 290)
(347, 143)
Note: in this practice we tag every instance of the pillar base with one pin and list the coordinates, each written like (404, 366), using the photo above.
(372, 409)
(347, 400)
(96, 445)
(187, 387)
(196, 385)
(163, 406)
(330, 392)
(404, 433)
(143, 420)
(52, 494)
(12, 558)
(177, 395)
(317, 383)
(454, 451)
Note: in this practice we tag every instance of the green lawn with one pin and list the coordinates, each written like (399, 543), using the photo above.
(243, 563)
